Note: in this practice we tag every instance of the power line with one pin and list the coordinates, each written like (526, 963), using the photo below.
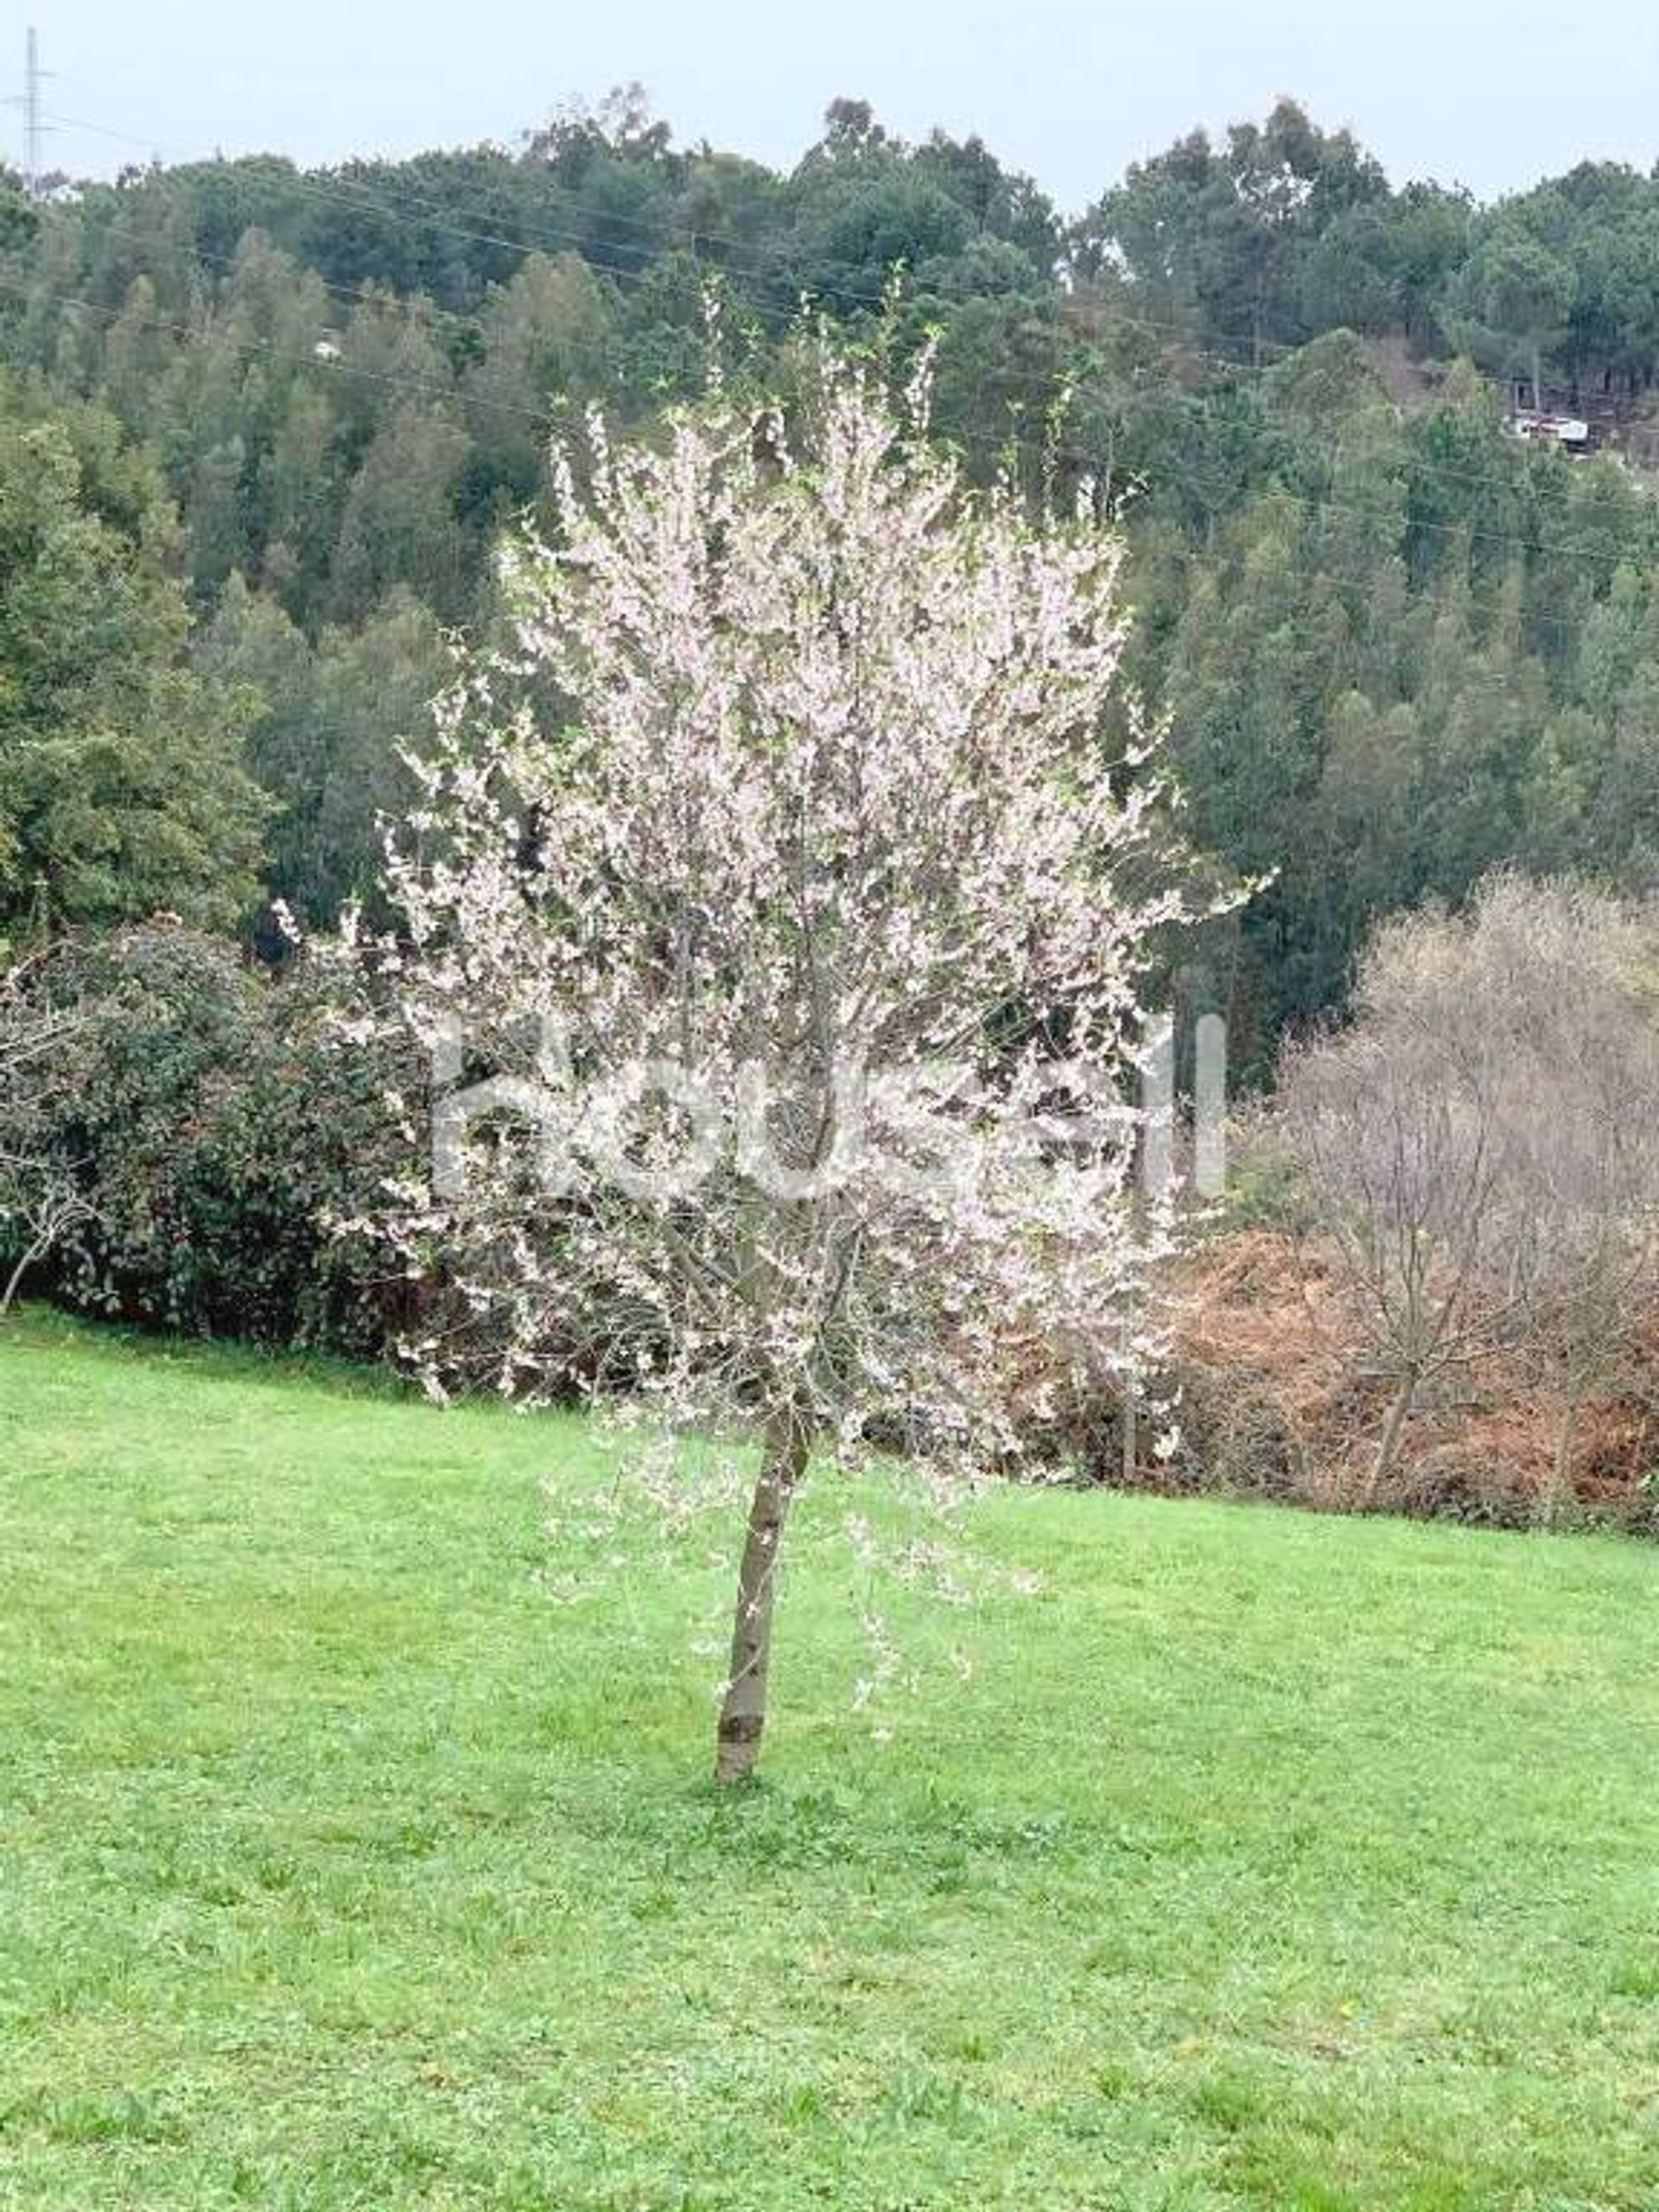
(32, 110)
(1052, 386)
(192, 334)
(361, 199)
(1045, 389)
(1042, 386)
(996, 449)
(1059, 386)
(35, 128)
(1058, 383)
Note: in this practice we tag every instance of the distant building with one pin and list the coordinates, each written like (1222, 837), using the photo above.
(1570, 432)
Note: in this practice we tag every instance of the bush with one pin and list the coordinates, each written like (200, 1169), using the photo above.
(214, 1121)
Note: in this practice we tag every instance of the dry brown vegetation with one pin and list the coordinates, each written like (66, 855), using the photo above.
(1277, 1402)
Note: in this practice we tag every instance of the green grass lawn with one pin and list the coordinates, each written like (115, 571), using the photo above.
(1264, 1861)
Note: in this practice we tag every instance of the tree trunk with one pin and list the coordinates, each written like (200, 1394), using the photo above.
(1560, 1482)
(1131, 1440)
(16, 1281)
(743, 1709)
(1388, 1449)
(1129, 1436)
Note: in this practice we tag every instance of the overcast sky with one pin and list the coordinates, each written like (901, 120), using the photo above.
(1071, 90)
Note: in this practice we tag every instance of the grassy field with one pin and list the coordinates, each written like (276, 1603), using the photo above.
(1265, 1861)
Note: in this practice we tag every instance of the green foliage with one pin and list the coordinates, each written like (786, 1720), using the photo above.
(122, 788)
(1380, 695)
(1510, 303)
(290, 412)
(1221, 236)
(213, 1123)
(326, 723)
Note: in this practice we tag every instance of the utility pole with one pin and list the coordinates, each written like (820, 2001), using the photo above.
(32, 75)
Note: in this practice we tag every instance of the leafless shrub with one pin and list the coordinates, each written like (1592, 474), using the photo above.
(1566, 982)
(1480, 1150)
(1399, 1146)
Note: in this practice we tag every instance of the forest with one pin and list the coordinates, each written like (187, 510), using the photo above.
(272, 420)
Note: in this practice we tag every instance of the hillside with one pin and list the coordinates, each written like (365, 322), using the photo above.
(1398, 646)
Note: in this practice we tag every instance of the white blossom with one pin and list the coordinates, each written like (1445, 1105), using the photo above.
(790, 792)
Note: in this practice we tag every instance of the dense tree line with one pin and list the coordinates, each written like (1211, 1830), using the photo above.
(267, 424)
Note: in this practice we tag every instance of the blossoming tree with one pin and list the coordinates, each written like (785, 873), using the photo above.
(778, 876)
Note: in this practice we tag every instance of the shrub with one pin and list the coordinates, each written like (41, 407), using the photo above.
(212, 1121)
